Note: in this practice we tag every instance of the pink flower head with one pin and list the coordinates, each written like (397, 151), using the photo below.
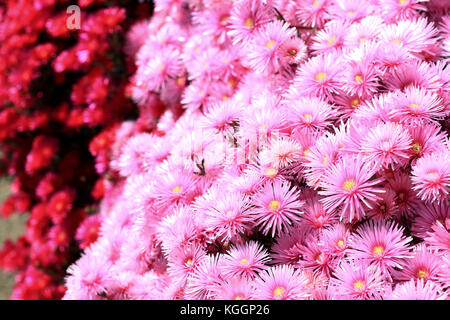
(287, 248)
(350, 10)
(431, 176)
(183, 261)
(361, 78)
(315, 256)
(385, 208)
(418, 290)
(276, 207)
(336, 240)
(314, 212)
(245, 260)
(366, 30)
(247, 18)
(380, 243)
(319, 76)
(281, 152)
(263, 56)
(427, 138)
(309, 113)
(357, 281)
(330, 38)
(401, 9)
(236, 288)
(415, 73)
(416, 104)
(387, 144)
(312, 12)
(405, 197)
(349, 183)
(439, 237)
(427, 214)
(423, 265)
(281, 282)
(293, 51)
(229, 215)
(202, 282)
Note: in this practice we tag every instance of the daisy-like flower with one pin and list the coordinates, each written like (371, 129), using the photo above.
(361, 78)
(415, 104)
(245, 260)
(349, 10)
(423, 265)
(312, 12)
(387, 144)
(418, 290)
(287, 246)
(202, 282)
(414, 73)
(293, 51)
(315, 256)
(183, 261)
(281, 282)
(431, 176)
(385, 208)
(366, 30)
(401, 9)
(214, 20)
(336, 240)
(236, 288)
(417, 36)
(319, 158)
(263, 56)
(247, 18)
(309, 113)
(427, 138)
(281, 152)
(314, 212)
(439, 237)
(380, 243)
(319, 77)
(405, 197)
(228, 215)
(330, 38)
(427, 215)
(349, 183)
(276, 207)
(354, 280)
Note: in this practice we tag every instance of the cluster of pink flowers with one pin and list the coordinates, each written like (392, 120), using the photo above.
(300, 150)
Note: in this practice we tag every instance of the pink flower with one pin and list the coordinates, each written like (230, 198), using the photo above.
(236, 288)
(264, 56)
(247, 18)
(427, 214)
(380, 243)
(348, 184)
(312, 12)
(330, 38)
(359, 281)
(431, 176)
(276, 207)
(418, 290)
(401, 10)
(245, 260)
(319, 76)
(387, 144)
(423, 265)
(201, 284)
(281, 282)
(439, 237)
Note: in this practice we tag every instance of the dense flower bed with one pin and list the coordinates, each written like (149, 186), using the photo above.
(62, 94)
(301, 152)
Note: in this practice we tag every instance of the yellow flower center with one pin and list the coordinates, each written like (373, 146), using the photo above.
(355, 102)
(238, 298)
(180, 81)
(348, 184)
(340, 243)
(315, 3)
(378, 250)
(402, 1)
(292, 52)
(274, 205)
(431, 174)
(332, 40)
(321, 76)
(416, 147)
(358, 78)
(161, 66)
(325, 160)
(279, 291)
(414, 106)
(188, 262)
(307, 116)
(398, 41)
(362, 39)
(249, 22)
(271, 172)
(270, 44)
(358, 284)
(177, 189)
(229, 212)
(421, 274)
(244, 261)
(350, 13)
(306, 152)
(383, 208)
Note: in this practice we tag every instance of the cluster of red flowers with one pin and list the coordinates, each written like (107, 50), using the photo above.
(62, 94)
